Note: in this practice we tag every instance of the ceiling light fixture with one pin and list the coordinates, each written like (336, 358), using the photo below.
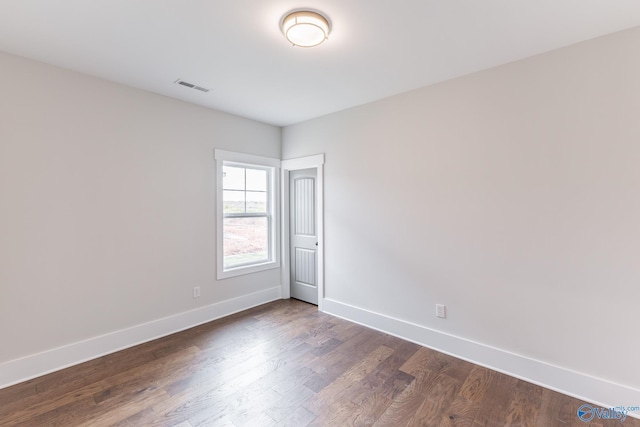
(305, 28)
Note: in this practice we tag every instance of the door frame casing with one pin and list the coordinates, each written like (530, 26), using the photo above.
(310, 162)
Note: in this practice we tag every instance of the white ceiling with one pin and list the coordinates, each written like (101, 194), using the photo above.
(377, 48)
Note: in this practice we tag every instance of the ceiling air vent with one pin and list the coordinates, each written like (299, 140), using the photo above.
(192, 86)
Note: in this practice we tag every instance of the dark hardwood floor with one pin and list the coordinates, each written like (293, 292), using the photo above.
(284, 364)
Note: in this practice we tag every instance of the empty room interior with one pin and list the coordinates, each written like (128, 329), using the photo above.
(285, 213)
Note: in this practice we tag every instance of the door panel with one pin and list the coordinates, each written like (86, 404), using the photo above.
(305, 266)
(304, 206)
(304, 241)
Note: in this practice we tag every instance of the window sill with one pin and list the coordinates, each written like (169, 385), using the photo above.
(239, 271)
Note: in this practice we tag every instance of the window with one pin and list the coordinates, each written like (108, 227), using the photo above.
(247, 218)
(247, 207)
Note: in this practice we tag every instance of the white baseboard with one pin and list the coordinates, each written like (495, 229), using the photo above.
(35, 365)
(584, 387)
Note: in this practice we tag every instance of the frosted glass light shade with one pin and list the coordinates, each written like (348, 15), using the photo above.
(305, 28)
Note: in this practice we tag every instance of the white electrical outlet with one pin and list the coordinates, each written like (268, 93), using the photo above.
(196, 292)
(441, 311)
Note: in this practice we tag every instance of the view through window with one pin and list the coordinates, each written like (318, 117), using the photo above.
(247, 219)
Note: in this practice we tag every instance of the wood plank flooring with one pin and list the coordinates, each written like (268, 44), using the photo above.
(284, 364)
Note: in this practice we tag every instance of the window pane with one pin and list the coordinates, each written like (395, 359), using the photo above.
(256, 180)
(233, 201)
(246, 240)
(232, 178)
(256, 202)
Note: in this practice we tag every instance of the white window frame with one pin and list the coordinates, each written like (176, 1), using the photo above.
(272, 165)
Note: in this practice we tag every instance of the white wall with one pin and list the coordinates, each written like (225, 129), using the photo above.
(510, 195)
(107, 206)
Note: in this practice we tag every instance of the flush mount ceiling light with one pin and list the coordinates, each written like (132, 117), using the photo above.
(305, 28)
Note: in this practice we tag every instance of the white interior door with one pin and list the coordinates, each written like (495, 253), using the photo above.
(303, 235)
